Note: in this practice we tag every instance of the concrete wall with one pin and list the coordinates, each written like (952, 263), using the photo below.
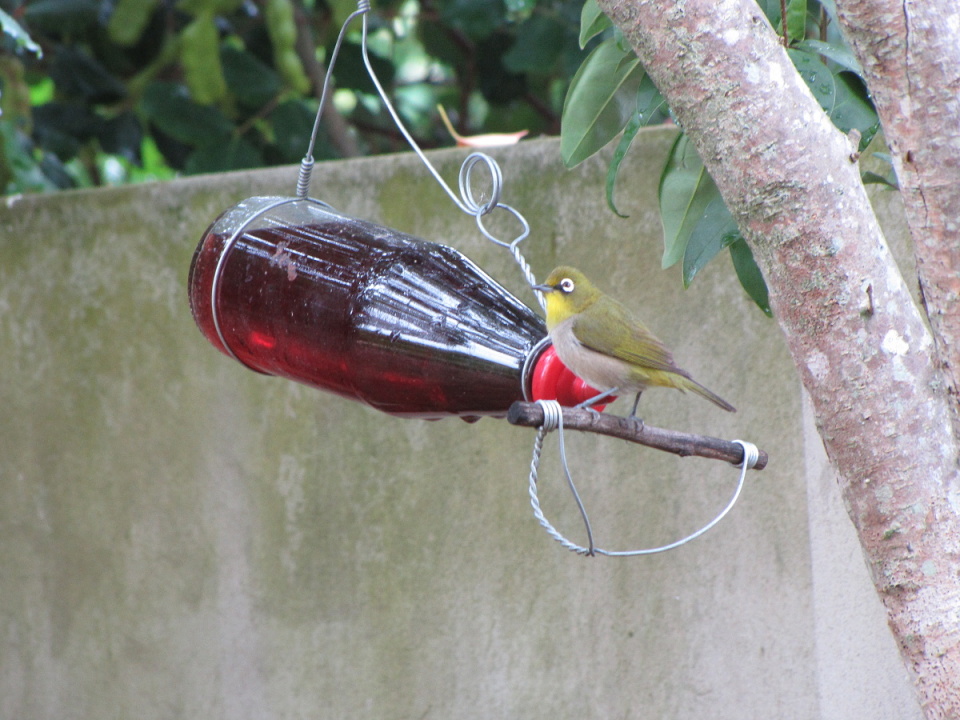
(183, 538)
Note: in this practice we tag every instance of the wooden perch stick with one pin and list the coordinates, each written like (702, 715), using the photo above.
(529, 414)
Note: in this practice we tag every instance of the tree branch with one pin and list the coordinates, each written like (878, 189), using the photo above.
(910, 53)
(529, 414)
(786, 174)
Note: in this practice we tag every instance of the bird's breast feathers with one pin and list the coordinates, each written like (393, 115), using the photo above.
(600, 370)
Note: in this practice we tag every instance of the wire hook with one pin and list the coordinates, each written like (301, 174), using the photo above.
(466, 201)
(306, 165)
(466, 190)
(469, 204)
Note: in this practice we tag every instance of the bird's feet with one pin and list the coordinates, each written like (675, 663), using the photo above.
(633, 411)
(588, 404)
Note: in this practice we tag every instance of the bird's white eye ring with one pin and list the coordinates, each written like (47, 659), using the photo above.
(567, 285)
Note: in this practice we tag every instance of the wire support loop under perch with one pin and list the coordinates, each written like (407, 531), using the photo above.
(552, 416)
(531, 414)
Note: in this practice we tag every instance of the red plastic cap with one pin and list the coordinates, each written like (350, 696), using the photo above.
(552, 380)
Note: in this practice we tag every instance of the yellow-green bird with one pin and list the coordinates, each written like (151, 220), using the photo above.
(601, 342)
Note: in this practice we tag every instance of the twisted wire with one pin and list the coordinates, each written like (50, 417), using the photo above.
(306, 165)
(553, 420)
(466, 200)
(303, 178)
(528, 274)
(467, 203)
(552, 410)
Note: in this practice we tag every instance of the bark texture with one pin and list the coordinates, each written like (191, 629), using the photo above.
(859, 341)
(910, 52)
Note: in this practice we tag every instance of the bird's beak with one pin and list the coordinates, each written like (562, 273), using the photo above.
(543, 288)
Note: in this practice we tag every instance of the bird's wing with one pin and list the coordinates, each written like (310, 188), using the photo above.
(614, 332)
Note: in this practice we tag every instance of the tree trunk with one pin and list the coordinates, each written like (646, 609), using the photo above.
(910, 52)
(859, 341)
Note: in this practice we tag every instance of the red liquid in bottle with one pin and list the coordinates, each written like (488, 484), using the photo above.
(291, 288)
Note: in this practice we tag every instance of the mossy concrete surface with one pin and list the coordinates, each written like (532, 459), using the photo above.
(184, 538)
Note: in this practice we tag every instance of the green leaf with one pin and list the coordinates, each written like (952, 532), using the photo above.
(771, 10)
(122, 135)
(843, 96)
(540, 41)
(168, 106)
(351, 72)
(217, 7)
(685, 192)
(477, 20)
(715, 230)
(77, 75)
(651, 110)
(154, 164)
(592, 22)
(830, 7)
(56, 171)
(621, 41)
(292, 124)
(236, 154)
(599, 103)
(872, 178)
(882, 178)
(253, 82)
(20, 170)
(129, 19)
(341, 10)
(651, 105)
(630, 132)
(749, 275)
(796, 20)
(437, 42)
(521, 7)
(835, 52)
(697, 225)
(817, 76)
(11, 27)
(63, 17)
(63, 128)
(853, 109)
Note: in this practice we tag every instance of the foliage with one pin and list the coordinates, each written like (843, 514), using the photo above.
(122, 90)
(133, 89)
(610, 95)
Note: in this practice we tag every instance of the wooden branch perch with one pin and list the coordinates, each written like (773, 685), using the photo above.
(528, 414)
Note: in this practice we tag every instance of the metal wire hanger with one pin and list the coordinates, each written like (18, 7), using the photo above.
(465, 201)
(553, 420)
(468, 203)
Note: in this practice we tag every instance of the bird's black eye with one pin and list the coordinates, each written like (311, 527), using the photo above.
(567, 285)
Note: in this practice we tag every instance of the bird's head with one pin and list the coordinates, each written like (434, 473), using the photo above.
(567, 292)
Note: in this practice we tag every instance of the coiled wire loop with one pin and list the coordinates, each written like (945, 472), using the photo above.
(466, 200)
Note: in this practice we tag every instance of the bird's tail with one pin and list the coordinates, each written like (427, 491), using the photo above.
(694, 386)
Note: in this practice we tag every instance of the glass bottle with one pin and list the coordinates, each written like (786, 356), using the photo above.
(290, 287)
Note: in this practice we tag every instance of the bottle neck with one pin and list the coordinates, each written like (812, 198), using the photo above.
(545, 377)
